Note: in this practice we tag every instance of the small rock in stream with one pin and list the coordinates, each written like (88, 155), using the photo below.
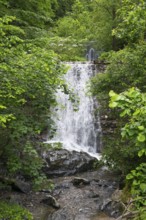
(77, 181)
(50, 200)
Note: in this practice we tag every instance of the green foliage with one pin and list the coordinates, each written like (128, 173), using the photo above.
(63, 7)
(68, 48)
(133, 16)
(126, 68)
(133, 105)
(89, 22)
(138, 184)
(104, 20)
(30, 76)
(54, 146)
(34, 17)
(12, 211)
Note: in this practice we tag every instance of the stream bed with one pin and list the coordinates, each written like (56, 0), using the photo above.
(91, 195)
(86, 196)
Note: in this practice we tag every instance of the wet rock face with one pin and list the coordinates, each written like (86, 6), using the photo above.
(64, 163)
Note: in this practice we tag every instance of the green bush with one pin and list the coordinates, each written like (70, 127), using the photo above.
(133, 105)
(30, 76)
(10, 211)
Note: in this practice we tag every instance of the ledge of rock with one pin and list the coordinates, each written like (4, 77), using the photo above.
(64, 163)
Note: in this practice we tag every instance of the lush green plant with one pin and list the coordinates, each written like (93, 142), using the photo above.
(11, 211)
(124, 69)
(34, 17)
(133, 105)
(30, 76)
(63, 7)
(132, 15)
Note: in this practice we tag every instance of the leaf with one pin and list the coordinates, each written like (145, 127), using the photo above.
(135, 183)
(129, 176)
(141, 128)
(2, 107)
(141, 137)
(113, 104)
(141, 152)
(112, 93)
(143, 187)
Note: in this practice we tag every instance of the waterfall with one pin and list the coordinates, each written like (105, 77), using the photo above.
(78, 130)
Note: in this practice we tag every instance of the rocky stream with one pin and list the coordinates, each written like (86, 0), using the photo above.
(80, 192)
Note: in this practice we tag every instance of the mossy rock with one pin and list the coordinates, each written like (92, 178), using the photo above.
(53, 146)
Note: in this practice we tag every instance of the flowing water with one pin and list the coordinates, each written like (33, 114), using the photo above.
(78, 129)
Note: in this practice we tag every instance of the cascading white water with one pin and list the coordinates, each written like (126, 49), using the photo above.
(77, 130)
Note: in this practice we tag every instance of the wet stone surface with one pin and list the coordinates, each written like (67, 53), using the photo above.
(85, 201)
(90, 199)
(64, 163)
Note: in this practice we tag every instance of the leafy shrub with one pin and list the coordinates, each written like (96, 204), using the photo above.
(133, 105)
(10, 211)
(30, 76)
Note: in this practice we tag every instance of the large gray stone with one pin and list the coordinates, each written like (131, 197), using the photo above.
(64, 163)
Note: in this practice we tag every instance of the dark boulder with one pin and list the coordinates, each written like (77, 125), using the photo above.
(51, 201)
(64, 163)
(78, 182)
(21, 186)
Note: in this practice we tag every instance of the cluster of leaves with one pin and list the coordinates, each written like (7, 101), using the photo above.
(133, 16)
(133, 106)
(34, 17)
(62, 7)
(125, 68)
(11, 211)
(29, 78)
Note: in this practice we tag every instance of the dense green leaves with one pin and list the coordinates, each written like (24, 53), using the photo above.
(63, 7)
(11, 211)
(89, 23)
(29, 78)
(133, 105)
(133, 16)
(34, 17)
